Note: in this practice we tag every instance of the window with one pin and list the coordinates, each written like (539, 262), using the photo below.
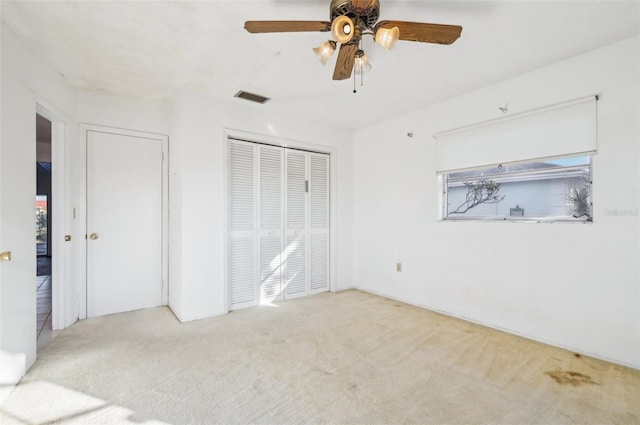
(538, 190)
(545, 173)
(42, 231)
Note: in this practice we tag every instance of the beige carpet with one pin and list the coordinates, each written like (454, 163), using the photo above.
(345, 358)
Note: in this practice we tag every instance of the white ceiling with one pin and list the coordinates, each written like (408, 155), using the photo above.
(155, 50)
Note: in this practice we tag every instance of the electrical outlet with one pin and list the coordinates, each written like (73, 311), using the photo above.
(399, 267)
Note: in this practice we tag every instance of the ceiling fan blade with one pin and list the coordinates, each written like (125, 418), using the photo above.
(423, 32)
(286, 26)
(345, 61)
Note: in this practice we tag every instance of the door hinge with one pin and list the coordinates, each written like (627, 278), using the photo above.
(306, 186)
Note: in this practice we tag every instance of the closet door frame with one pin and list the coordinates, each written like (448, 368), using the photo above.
(233, 134)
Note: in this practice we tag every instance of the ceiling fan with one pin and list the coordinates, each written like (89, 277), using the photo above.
(350, 21)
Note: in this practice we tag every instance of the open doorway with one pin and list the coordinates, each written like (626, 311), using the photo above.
(43, 222)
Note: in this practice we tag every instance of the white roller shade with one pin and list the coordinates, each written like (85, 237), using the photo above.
(565, 129)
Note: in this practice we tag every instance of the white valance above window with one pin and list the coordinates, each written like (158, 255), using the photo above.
(564, 129)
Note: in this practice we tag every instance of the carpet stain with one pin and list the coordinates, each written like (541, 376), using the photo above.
(565, 377)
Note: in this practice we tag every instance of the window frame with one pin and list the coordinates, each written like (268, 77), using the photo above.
(443, 182)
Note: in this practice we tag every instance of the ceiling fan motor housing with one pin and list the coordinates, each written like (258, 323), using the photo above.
(368, 12)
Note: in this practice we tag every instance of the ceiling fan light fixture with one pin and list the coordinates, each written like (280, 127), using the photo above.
(324, 51)
(362, 64)
(351, 20)
(342, 29)
(387, 37)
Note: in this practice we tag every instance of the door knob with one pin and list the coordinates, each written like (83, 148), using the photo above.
(5, 256)
(93, 236)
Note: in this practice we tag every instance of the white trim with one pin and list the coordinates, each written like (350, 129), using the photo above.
(504, 219)
(276, 141)
(83, 129)
(81, 218)
(60, 191)
(226, 237)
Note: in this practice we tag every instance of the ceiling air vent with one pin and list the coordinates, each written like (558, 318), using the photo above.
(252, 97)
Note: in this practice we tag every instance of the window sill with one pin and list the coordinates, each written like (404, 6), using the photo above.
(548, 220)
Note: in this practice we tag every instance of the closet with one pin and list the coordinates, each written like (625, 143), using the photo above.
(278, 220)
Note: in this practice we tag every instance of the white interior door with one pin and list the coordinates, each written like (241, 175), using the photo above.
(270, 220)
(17, 234)
(318, 223)
(242, 225)
(278, 223)
(125, 228)
(296, 268)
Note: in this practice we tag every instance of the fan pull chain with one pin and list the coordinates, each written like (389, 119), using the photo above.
(354, 83)
(361, 68)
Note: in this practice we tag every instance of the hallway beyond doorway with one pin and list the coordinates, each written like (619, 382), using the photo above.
(44, 328)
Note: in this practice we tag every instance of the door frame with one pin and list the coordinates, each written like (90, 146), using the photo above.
(230, 133)
(61, 281)
(82, 207)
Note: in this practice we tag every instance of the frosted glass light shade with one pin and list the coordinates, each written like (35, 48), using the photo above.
(324, 51)
(342, 29)
(362, 63)
(387, 37)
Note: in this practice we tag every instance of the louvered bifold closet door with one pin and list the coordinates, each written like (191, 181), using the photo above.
(242, 222)
(296, 276)
(319, 222)
(271, 201)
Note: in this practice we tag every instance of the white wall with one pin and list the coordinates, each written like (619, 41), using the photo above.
(571, 285)
(124, 113)
(197, 221)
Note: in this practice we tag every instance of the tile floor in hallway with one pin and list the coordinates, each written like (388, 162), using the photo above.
(43, 291)
(44, 321)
